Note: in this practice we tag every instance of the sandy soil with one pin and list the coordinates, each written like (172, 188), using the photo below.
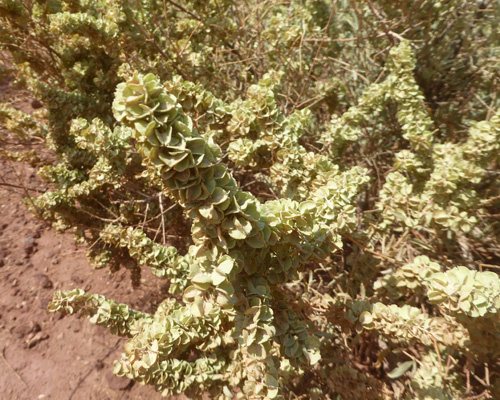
(44, 355)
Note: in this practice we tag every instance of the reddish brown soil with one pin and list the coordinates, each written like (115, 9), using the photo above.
(44, 355)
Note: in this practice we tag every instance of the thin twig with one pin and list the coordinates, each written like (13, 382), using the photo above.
(82, 379)
(490, 110)
(153, 41)
(313, 64)
(189, 38)
(30, 199)
(20, 187)
(12, 369)
(183, 9)
(162, 217)
(484, 395)
(364, 248)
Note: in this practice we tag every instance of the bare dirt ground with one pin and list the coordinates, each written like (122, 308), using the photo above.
(44, 355)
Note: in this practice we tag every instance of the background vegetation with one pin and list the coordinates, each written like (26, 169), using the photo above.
(337, 163)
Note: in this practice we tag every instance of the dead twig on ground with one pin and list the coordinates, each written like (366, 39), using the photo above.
(12, 369)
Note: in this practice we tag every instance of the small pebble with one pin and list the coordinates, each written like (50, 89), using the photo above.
(44, 281)
(36, 104)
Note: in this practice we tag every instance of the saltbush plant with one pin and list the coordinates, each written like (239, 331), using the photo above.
(336, 163)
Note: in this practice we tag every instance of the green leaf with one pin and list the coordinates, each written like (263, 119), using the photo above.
(226, 266)
(401, 369)
(237, 234)
(202, 278)
(197, 307)
(365, 318)
(217, 277)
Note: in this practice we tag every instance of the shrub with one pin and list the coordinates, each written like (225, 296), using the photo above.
(336, 250)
